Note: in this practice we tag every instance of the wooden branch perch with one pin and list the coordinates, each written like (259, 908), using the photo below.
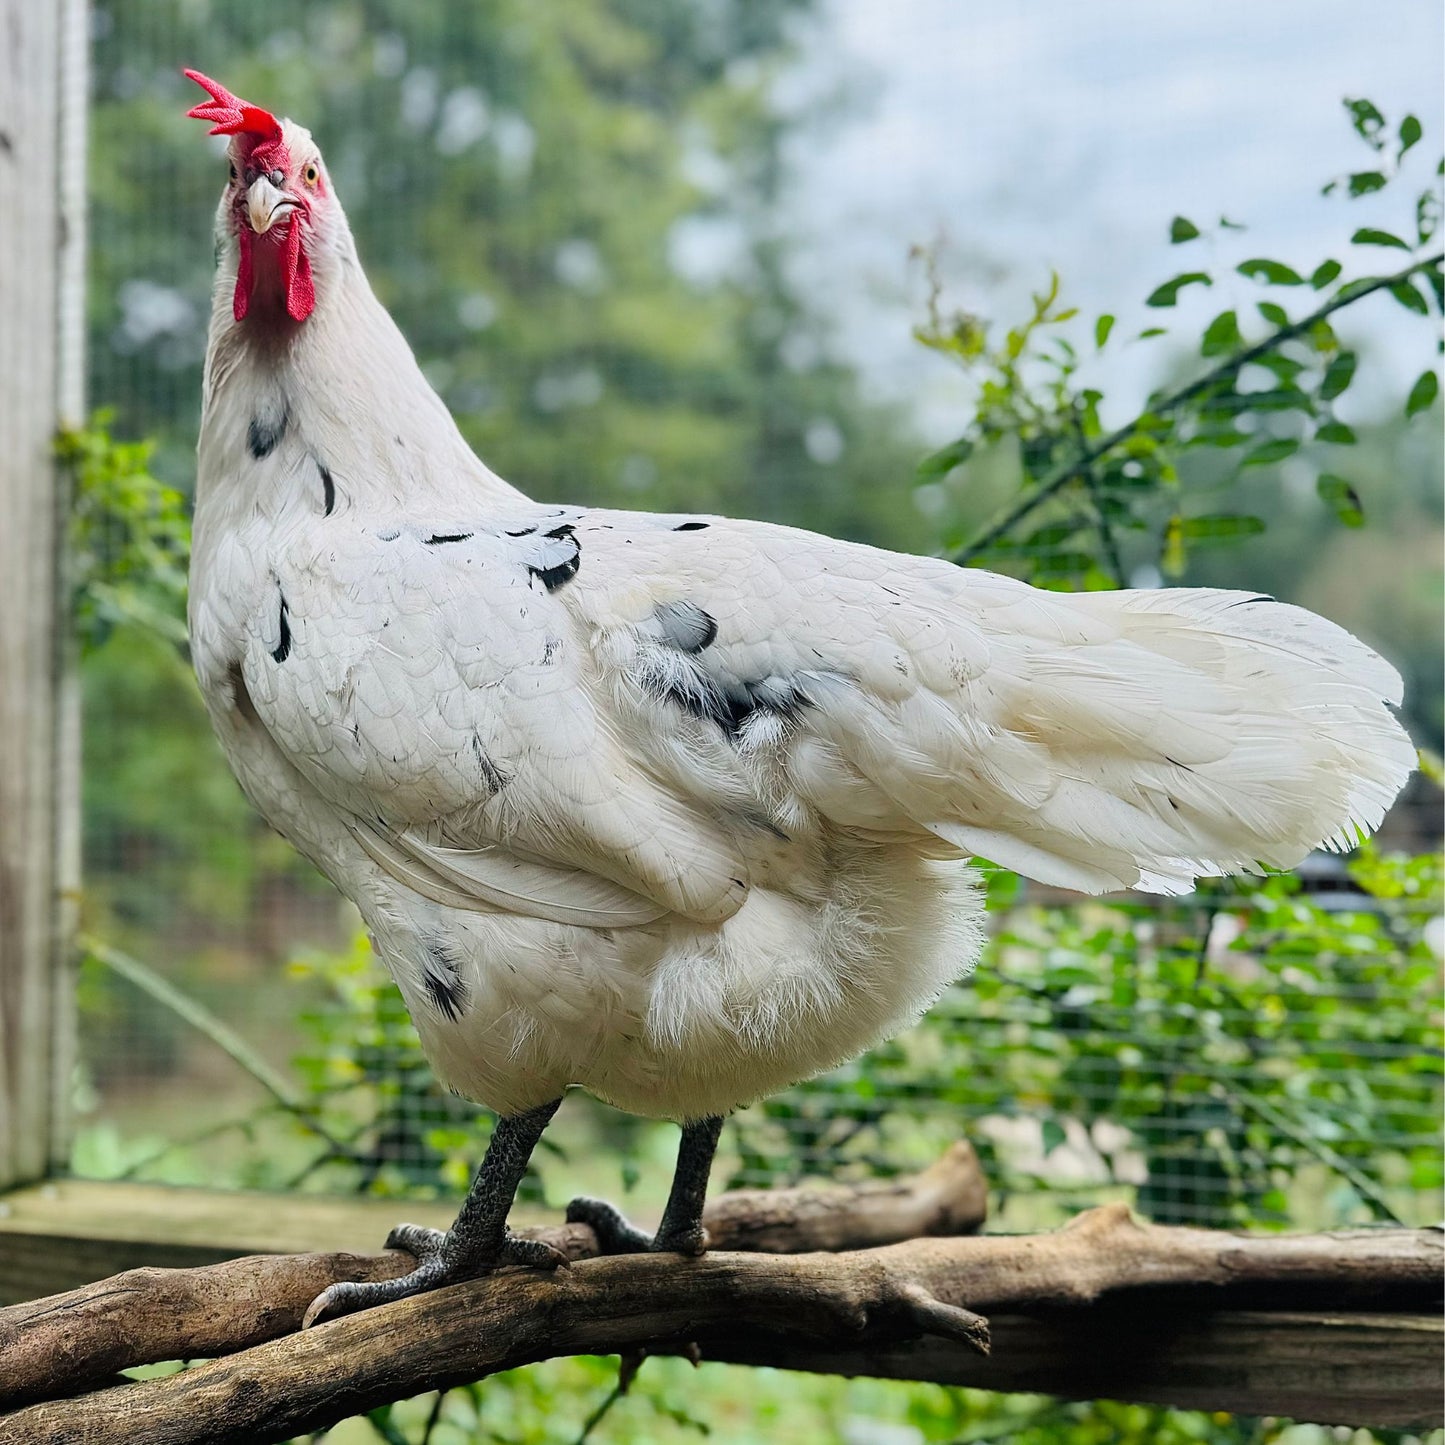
(902, 1308)
(69, 1342)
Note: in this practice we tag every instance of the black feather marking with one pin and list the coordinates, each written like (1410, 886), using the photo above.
(730, 705)
(1247, 601)
(328, 488)
(691, 526)
(441, 973)
(685, 625)
(390, 536)
(264, 434)
(282, 650)
(564, 571)
(437, 538)
(522, 532)
(492, 775)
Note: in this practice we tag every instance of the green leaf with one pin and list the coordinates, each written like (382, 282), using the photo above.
(1427, 216)
(1369, 124)
(1102, 327)
(1285, 368)
(1338, 375)
(1324, 273)
(1362, 183)
(1360, 286)
(1225, 224)
(1049, 536)
(1275, 314)
(1149, 331)
(1172, 554)
(1053, 1135)
(1408, 297)
(1336, 433)
(1273, 273)
(944, 461)
(1435, 279)
(1369, 236)
(1168, 293)
(1280, 398)
(1274, 450)
(1220, 437)
(1221, 527)
(1423, 393)
(1342, 498)
(1410, 132)
(1002, 888)
(1221, 336)
(1181, 229)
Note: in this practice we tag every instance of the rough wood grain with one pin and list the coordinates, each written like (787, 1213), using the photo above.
(1325, 1367)
(837, 1306)
(68, 1341)
(29, 292)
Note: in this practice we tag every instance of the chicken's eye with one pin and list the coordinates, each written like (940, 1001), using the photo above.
(311, 175)
(233, 170)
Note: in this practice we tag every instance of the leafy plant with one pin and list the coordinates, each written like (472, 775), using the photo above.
(1092, 504)
(129, 539)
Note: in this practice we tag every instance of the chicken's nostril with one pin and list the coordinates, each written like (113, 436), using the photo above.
(276, 177)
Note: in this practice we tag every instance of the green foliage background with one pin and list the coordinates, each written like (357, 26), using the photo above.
(1277, 1069)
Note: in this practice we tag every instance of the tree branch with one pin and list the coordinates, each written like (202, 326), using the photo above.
(1071, 471)
(70, 1341)
(836, 1309)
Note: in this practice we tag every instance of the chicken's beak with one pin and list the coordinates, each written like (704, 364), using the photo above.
(267, 204)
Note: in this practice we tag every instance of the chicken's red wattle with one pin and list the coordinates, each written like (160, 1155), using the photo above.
(292, 262)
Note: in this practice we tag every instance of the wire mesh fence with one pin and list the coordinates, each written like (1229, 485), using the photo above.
(1152, 1061)
(578, 228)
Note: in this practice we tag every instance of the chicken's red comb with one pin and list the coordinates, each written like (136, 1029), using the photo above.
(229, 114)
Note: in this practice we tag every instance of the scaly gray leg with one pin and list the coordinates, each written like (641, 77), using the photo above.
(478, 1241)
(681, 1230)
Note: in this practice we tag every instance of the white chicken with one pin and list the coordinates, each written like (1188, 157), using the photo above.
(678, 809)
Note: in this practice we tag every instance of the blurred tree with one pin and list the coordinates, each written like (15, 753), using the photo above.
(567, 208)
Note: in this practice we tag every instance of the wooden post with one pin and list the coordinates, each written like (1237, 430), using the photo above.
(42, 89)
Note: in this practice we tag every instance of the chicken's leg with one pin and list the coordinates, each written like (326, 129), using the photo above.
(681, 1230)
(478, 1241)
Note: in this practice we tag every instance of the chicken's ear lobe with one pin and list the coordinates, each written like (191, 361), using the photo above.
(228, 114)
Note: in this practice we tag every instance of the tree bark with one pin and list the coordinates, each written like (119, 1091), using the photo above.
(835, 1311)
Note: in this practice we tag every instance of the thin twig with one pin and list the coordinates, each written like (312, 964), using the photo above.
(600, 1413)
(200, 1136)
(433, 1417)
(219, 1032)
(1073, 470)
(1363, 1186)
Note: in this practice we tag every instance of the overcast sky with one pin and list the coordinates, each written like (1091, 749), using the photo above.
(1048, 133)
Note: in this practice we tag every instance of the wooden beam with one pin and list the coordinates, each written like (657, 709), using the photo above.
(63, 1234)
(1332, 1368)
(39, 267)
